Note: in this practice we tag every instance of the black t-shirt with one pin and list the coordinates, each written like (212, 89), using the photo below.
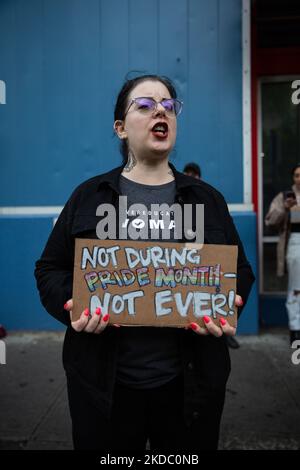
(148, 356)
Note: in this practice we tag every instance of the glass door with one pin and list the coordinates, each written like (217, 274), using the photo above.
(279, 151)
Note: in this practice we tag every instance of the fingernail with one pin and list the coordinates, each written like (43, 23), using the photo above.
(98, 311)
(222, 321)
(194, 326)
(206, 319)
(66, 306)
(106, 317)
(86, 312)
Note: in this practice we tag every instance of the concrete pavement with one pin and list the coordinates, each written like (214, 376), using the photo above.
(262, 410)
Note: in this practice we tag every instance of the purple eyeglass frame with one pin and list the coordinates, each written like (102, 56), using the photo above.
(173, 100)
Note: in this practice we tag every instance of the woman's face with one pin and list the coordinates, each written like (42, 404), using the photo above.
(296, 177)
(143, 141)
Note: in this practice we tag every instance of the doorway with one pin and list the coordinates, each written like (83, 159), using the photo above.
(279, 151)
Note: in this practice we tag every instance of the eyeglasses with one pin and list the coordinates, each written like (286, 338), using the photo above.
(145, 105)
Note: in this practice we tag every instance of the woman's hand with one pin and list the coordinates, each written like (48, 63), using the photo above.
(213, 329)
(290, 202)
(94, 323)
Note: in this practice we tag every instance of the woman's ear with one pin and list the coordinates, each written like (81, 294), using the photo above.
(119, 129)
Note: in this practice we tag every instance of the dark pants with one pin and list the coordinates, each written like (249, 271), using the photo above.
(140, 415)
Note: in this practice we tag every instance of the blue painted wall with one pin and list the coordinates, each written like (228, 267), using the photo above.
(63, 63)
(246, 226)
(22, 239)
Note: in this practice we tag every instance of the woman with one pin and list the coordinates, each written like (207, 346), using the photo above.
(130, 385)
(284, 214)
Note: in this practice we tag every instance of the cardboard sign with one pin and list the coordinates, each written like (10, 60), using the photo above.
(155, 283)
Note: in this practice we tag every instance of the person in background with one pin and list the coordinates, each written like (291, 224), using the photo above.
(194, 170)
(2, 332)
(284, 214)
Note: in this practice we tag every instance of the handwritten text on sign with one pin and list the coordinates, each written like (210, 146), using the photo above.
(158, 284)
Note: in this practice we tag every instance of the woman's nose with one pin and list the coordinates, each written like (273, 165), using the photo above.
(159, 109)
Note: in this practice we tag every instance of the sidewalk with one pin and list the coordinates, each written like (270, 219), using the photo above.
(262, 410)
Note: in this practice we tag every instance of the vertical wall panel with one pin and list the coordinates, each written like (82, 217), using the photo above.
(143, 36)
(203, 88)
(173, 56)
(114, 52)
(230, 100)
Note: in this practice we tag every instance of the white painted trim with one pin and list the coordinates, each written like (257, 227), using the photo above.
(271, 239)
(246, 70)
(56, 210)
(31, 210)
(240, 207)
(260, 220)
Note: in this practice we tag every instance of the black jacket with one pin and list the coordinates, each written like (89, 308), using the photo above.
(92, 358)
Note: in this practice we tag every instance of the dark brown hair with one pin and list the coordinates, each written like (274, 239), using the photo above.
(122, 101)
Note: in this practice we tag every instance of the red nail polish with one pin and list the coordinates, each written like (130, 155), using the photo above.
(194, 326)
(106, 317)
(222, 321)
(98, 311)
(86, 312)
(206, 319)
(66, 306)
